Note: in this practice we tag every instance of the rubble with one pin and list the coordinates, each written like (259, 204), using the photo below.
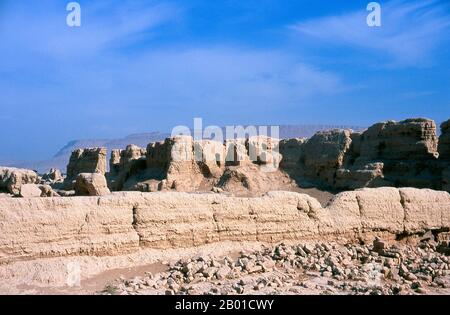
(304, 268)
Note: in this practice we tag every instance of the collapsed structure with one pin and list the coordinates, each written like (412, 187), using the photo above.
(396, 154)
(115, 217)
(182, 164)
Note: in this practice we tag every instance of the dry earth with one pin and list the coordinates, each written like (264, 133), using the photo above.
(407, 267)
(184, 240)
(206, 217)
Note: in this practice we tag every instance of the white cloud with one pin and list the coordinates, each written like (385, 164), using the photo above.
(410, 31)
(87, 63)
(197, 79)
(231, 77)
(105, 25)
(81, 83)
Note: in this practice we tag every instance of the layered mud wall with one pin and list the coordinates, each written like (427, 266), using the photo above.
(124, 222)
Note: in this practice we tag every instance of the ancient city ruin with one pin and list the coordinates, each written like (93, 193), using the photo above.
(218, 156)
(378, 196)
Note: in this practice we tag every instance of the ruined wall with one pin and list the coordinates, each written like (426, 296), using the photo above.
(323, 155)
(126, 221)
(388, 154)
(411, 139)
(182, 164)
(291, 151)
(91, 160)
(406, 149)
(397, 154)
(444, 141)
(124, 164)
(49, 227)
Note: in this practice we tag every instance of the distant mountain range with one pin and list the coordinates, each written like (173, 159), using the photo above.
(61, 158)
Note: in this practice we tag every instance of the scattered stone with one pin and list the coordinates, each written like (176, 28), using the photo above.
(428, 236)
(378, 245)
(223, 272)
(331, 268)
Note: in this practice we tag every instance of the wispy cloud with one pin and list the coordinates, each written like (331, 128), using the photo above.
(84, 82)
(144, 65)
(230, 76)
(410, 31)
(105, 25)
(89, 60)
(193, 80)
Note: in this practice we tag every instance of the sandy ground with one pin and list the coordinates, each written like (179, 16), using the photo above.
(50, 276)
(96, 283)
(319, 268)
(97, 274)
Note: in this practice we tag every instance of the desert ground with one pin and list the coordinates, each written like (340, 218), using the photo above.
(341, 212)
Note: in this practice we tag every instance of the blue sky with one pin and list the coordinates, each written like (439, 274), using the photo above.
(136, 66)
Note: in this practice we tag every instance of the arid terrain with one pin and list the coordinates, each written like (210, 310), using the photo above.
(341, 212)
(310, 268)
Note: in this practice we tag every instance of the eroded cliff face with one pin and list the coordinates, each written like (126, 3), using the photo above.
(127, 221)
(397, 154)
(389, 154)
(90, 160)
(241, 166)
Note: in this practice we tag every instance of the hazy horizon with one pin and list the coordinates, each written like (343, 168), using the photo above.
(125, 140)
(144, 66)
